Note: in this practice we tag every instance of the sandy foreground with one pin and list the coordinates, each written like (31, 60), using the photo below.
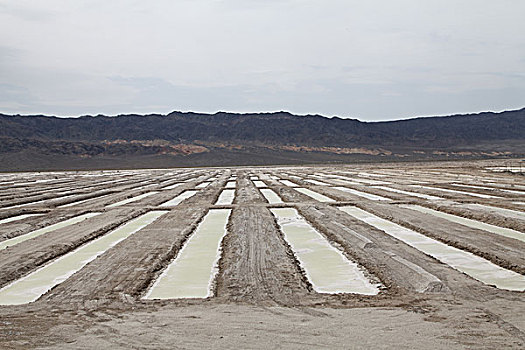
(262, 297)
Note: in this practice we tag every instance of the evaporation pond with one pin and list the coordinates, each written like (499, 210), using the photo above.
(289, 183)
(327, 268)
(468, 263)
(408, 193)
(15, 240)
(17, 217)
(178, 199)
(171, 187)
(226, 197)
(317, 196)
(192, 272)
(507, 232)
(315, 182)
(362, 194)
(271, 196)
(132, 199)
(29, 288)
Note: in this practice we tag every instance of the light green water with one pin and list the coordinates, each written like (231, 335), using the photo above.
(346, 182)
(362, 194)
(327, 269)
(468, 263)
(16, 240)
(192, 272)
(516, 214)
(132, 199)
(315, 182)
(271, 196)
(491, 188)
(289, 183)
(81, 202)
(18, 217)
(203, 185)
(230, 184)
(259, 184)
(31, 287)
(370, 182)
(178, 199)
(171, 187)
(317, 196)
(26, 204)
(414, 194)
(226, 197)
(370, 174)
(470, 223)
(456, 191)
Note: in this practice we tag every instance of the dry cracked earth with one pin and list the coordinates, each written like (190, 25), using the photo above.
(261, 295)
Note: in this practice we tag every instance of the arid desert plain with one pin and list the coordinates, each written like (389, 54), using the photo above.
(383, 256)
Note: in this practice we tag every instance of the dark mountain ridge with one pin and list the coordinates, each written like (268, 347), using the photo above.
(279, 128)
(309, 137)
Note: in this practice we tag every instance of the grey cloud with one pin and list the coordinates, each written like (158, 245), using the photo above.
(372, 60)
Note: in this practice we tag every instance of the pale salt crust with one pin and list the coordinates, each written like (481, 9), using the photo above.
(29, 288)
(327, 269)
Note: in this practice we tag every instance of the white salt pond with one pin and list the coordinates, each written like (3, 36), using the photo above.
(414, 194)
(31, 287)
(132, 199)
(370, 174)
(203, 185)
(515, 214)
(468, 263)
(288, 183)
(230, 184)
(327, 269)
(470, 223)
(371, 182)
(259, 184)
(503, 168)
(317, 196)
(178, 199)
(456, 191)
(492, 189)
(347, 182)
(17, 217)
(332, 176)
(80, 202)
(315, 182)
(38, 202)
(226, 197)
(192, 272)
(362, 194)
(271, 196)
(15, 240)
(171, 187)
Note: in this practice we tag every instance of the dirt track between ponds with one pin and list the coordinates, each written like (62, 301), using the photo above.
(262, 296)
(256, 265)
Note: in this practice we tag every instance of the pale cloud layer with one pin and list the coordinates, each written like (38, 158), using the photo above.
(371, 60)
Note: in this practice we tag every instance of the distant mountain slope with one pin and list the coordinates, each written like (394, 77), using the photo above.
(310, 138)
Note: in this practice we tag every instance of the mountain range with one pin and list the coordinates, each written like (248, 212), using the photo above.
(37, 142)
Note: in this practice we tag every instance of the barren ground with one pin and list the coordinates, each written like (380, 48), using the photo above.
(262, 297)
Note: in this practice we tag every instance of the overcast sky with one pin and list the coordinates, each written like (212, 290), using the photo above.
(371, 60)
